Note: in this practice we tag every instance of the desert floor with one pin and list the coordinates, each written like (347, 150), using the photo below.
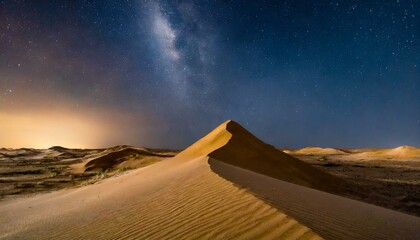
(227, 185)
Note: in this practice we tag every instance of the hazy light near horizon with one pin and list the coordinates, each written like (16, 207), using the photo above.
(43, 130)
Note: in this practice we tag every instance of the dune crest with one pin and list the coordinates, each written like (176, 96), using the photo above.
(209, 143)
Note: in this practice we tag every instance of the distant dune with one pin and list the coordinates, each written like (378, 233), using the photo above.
(399, 152)
(228, 185)
(119, 157)
(402, 152)
(316, 150)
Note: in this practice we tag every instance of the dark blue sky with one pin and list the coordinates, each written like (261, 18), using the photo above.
(163, 73)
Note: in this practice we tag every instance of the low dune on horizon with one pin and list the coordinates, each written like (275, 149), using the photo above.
(401, 152)
(227, 185)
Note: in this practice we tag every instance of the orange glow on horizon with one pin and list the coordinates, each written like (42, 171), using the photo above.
(43, 130)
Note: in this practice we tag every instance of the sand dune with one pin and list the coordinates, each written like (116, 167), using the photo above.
(119, 157)
(18, 152)
(402, 152)
(405, 152)
(228, 185)
(233, 144)
(316, 151)
(115, 158)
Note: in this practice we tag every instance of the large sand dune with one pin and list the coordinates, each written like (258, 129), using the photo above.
(233, 144)
(228, 185)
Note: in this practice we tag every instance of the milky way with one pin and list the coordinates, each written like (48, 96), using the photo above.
(163, 73)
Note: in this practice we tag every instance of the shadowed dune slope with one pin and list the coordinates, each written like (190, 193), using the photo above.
(233, 144)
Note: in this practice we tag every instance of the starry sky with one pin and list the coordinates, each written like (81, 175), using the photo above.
(163, 73)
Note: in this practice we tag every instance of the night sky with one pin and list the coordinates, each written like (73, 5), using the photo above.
(163, 73)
